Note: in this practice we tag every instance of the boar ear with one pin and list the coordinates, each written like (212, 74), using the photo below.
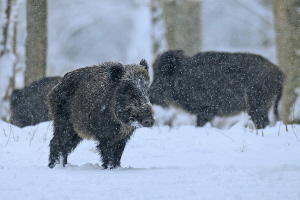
(17, 93)
(145, 64)
(117, 71)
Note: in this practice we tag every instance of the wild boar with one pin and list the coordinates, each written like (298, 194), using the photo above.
(105, 103)
(28, 105)
(211, 84)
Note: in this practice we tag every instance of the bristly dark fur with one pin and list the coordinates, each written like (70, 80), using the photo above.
(213, 84)
(102, 103)
(28, 105)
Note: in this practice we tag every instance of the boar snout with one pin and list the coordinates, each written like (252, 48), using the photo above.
(148, 122)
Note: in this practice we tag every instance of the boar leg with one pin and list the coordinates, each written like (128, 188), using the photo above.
(111, 153)
(105, 149)
(65, 140)
(118, 151)
(259, 116)
(258, 108)
(205, 115)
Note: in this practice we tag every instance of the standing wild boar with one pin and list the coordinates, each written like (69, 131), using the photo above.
(105, 103)
(28, 105)
(213, 84)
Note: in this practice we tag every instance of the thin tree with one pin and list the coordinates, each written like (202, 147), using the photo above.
(8, 56)
(287, 23)
(158, 30)
(5, 28)
(182, 20)
(36, 42)
(181, 25)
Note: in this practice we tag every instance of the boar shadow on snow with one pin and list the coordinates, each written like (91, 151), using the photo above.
(211, 84)
(105, 103)
(28, 105)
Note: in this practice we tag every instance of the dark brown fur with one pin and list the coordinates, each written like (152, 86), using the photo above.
(213, 84)
(104, 103)
(29, 105)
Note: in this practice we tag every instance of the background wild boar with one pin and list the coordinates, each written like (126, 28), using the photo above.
(28, 105)
(213, 84)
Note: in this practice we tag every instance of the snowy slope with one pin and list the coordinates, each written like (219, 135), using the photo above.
(158, 163)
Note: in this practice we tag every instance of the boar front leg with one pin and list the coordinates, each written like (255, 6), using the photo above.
(111, 152)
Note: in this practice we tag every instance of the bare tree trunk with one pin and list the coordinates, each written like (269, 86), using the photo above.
(5, 27)
(36, 43)
(8, 57)
(182, 19)
(287, 22)
(158, 28)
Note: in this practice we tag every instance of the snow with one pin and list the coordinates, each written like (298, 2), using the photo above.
(161, 162)
(180, 161)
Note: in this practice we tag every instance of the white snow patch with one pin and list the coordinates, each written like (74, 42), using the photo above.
(161, 162)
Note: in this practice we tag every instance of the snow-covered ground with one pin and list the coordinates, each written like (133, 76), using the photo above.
(178, 162)
(158, 163)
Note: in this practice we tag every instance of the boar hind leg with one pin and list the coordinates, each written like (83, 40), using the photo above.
(205, 115)
(54, 152)
(62, 144)
(258, 110)
(68, 146)
(259, 117)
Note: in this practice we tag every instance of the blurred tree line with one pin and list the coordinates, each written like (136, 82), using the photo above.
(176, 24)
